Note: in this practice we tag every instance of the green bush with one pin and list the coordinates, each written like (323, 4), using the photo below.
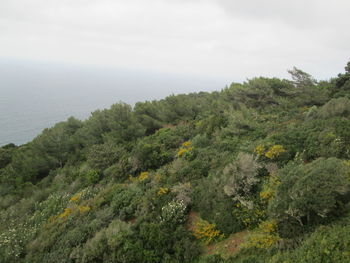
(309, 194)
(101, 156)
(327, 244)
(124, 201)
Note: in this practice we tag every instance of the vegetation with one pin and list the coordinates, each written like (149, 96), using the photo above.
(257, 172)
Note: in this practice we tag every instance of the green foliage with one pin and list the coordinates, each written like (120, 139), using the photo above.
(123, 124)
(259, 92)
(104, 245)
(125, 200)
(309, 194)
(327, 244)
(341, 86)
(102, 156)
(315, 138)
(215, 206)
(92, 176)
(210, 124)
(241, 177)
(333, 108)
(212, 259)
(156, 150)
(150, 156)
(148, 114)
(251, 255)
(6, 154)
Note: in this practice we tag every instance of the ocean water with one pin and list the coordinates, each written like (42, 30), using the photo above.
(34, 96)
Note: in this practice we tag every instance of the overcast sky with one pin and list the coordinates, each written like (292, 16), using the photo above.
(225, 39)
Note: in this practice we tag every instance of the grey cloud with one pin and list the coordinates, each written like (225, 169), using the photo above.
(233, 39)
(301, 13)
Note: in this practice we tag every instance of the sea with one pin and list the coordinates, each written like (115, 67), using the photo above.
(36, 95)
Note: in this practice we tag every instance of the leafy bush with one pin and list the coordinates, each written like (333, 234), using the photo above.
(335, 107)
(206, 231)
(101, 156)
(215, 206)
(125, 200)
(296, 206)
(327, 244)
(241, 179)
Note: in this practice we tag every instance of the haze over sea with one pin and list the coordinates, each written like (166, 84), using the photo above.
(35, 96)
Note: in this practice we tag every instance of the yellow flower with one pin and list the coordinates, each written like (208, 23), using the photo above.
(83, 209)
(67, 212)
(264, 237)
(267, 194)
(274, 151)
(185, 149)
(206, 232)
(76, 197)
(181, 152)
(163, 190)
(187, 144)
(259, 150)
(143, 176)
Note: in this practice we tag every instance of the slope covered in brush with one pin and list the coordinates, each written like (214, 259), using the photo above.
(165, 180)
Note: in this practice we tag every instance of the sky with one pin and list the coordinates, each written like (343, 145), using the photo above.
(230, 40)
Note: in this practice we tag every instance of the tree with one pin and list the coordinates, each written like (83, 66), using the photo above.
(301, 78)
(147, 114)
(342, 83)
(241, 179)
(123, 124)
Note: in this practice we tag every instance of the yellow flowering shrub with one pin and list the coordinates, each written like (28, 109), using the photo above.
(267, 194)
(268, 226)
(185, 149)
(264, 237)
(82, 195)
(143, 176)
(83, 209)
(206, 232)
(66, 213)
(275, 151)
(162, 191)
(187, 144)
(250, 217)
(269, 189)
(181, 152)
(76, 198)
(260, 150)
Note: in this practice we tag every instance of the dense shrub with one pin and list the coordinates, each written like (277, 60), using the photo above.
(309, 194)
(327, 244)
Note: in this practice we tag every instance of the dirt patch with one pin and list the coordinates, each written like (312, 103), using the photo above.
(191, 221)
(131, 221)
(232, 245)
(227, 247)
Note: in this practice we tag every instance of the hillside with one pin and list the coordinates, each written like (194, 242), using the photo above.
(256, 172)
